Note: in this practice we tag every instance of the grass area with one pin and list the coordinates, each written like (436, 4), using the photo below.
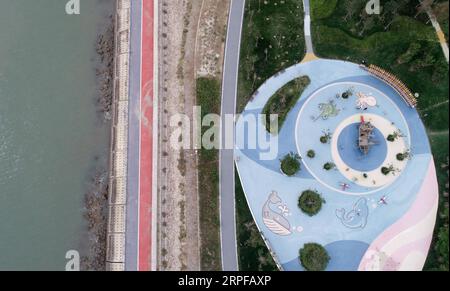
(281, 103)
(322, 8)
(272, 40)
(208, 97)
(440, 10)
(252, 251)
(402, 41)
(438, 257)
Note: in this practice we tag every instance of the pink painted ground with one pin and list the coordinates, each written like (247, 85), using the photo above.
(405, 245)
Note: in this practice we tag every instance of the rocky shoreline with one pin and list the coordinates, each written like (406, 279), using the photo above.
(105, 71)
(96, 198)
(96, 215)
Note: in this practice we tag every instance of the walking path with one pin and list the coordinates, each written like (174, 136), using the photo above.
(307, 30)
(229, 95)
(440, 33)
(140, 238)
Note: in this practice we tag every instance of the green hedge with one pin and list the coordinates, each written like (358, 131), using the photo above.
(283, 101)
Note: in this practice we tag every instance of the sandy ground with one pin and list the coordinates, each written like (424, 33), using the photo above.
(192, 34)
(178, 231)
(211, 38)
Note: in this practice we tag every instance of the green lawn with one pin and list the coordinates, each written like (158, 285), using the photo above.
(208, 97)
(438, 257)
(403, 42)
(272, 40)
(252, 251)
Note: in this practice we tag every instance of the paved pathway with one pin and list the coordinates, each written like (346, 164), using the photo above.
(439, 32)
(229, 94)
(140, 226)
(309, 56)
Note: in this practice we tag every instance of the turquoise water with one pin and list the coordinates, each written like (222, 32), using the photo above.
(50, 130)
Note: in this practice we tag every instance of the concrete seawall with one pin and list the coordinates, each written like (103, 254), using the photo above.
(115, 253)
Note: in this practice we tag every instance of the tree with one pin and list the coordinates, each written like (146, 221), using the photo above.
(290, 164)
(310, 202)
(314, 257)
(351, 7)
(390, 12)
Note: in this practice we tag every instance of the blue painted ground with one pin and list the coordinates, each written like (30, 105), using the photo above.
(260, 177)
(352, 155)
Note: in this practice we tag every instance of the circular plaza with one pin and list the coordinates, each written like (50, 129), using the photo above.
(360, 150)
(330, 125)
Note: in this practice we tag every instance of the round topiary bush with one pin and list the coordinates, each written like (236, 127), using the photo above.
(401, 157)
(290, 164)
(386, 170)
(314, 257)
(329, 166)
(311, 154)
(310, 202)
(324, 139)
(392, 138)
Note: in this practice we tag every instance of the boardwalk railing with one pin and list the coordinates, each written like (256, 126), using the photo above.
(394, 82)
(115, 251)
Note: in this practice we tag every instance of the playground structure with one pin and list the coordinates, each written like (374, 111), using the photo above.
(365, 141)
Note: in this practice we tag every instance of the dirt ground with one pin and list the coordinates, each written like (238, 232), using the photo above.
(191, 44)
(178, 221)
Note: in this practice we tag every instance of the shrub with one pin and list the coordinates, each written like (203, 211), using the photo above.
(314, 257)
(311, 154)
(401, 157)
(290, 164)
(347, 94)
(393, 137)
(329, 166)
(310, 202)
(387, 170)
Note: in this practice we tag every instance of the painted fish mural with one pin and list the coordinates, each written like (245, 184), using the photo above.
(274, 219)
(355, 218)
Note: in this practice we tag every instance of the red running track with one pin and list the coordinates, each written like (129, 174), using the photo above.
(146, 132)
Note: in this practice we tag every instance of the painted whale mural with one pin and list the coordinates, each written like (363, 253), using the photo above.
(274, 219)
(355, 218)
